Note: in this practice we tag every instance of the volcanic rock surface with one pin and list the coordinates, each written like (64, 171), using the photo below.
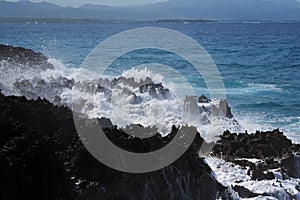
(273, 148)
(24, 57)
(43, 158)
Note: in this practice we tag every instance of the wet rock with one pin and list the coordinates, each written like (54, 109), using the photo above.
(41, 157)
(258, 174)
(244, 192)
(291, 164)
(24, 57)
(37, 87)
(188, 177)
(191, 106)
(155, 90)
(223, 106)
(257, 145)
(105, 91)
(105, 123)
(274, 150)
(244, 163)
(203, 99)
(25, 87)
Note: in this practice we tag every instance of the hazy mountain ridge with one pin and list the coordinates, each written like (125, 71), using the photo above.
(195, 9)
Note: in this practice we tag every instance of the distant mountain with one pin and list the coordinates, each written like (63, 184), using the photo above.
(173, 9)
(238, 9)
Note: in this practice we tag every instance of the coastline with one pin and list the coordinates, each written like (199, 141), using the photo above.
(41, 151)
(36, 132)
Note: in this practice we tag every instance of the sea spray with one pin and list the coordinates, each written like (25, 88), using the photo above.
(137, 97)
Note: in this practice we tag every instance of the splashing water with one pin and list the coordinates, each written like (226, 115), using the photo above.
(137, 97)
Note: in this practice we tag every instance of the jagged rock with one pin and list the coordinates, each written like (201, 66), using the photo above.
(203, 99)
(258, 174)
(244, 163)
(266, 146)
(223, 109)
(125, 81)
(41, 157)
(103, 89)
(105, 123)
(23, 68)
(244, 192)
(30, 164)
(186, 178)
(24, 57)
(132, 82)
(191, 106)
(291, 164)
(155, 90)
(37, 87)
(26, 88)
(257, 145)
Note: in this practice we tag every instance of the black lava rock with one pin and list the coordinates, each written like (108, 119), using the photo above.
(24, 57)
(274, 149)
(41, 157)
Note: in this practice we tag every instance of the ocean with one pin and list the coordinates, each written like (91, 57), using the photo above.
(259, 62)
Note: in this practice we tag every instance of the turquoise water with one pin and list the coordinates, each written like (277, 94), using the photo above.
(260, 63)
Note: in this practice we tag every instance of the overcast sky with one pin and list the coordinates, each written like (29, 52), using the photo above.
(77, 3)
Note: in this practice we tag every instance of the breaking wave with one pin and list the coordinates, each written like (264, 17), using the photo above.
(139, 96)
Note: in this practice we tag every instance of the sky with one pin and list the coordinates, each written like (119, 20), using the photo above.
(77, 3)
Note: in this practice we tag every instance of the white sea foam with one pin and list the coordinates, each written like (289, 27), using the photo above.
(120, 108)
(231, 175)
(252, 88)
(251, 122)
(142, 74)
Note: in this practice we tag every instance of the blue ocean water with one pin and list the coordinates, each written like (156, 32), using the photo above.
(260, 63)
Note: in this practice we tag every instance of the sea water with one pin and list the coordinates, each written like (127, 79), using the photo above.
(259, 63)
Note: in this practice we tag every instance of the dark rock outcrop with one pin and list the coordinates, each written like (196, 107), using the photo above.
(38, 87)
(257, 145)
(24, 57)
(191, 106)
(203, 99)
(41, 157)
(244, 192)
(21, 71)
(155, 90)
(274, 149)
(223, 105)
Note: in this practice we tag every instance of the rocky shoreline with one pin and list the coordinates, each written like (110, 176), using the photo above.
(264, 158)
(272, 147)
(42, 157)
